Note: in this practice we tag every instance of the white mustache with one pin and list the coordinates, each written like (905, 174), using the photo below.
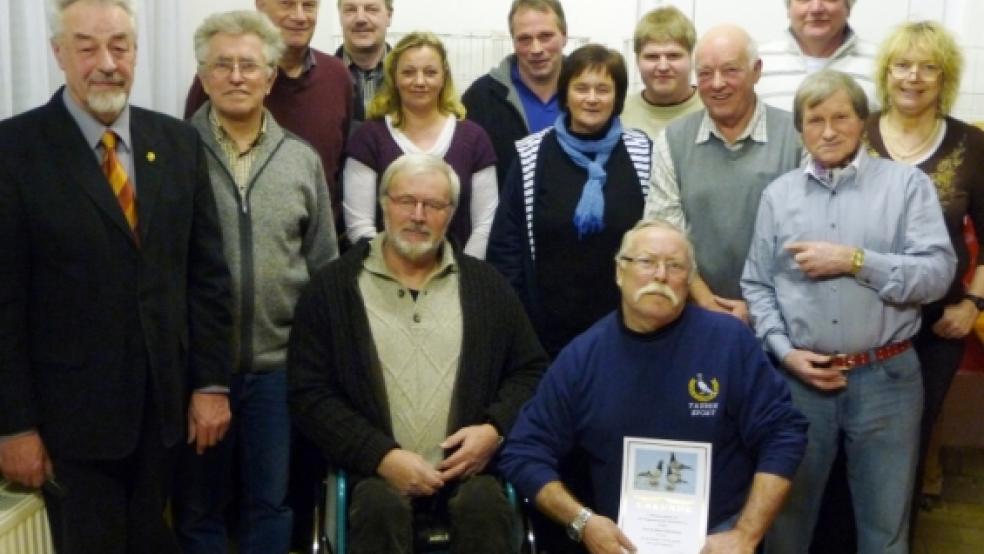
(418, 229)
(658, 288)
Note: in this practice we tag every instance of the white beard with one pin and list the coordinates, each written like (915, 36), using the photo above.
(412, 250)
(107, 102)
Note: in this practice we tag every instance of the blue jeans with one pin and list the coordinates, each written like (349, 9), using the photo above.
(879, 414)
(258, 445)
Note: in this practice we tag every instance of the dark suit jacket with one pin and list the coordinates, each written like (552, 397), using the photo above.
(91, 325)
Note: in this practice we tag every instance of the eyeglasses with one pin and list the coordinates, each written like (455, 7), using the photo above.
(223, 68)
(649, 266)
(409, 203)
(925, 71)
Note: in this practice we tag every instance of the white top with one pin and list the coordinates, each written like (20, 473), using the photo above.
(784, 66)
(359, 191)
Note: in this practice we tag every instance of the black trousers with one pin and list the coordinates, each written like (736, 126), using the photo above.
(940, 359)
(382, 520)
(115, 506)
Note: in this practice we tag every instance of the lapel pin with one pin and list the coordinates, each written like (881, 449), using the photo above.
(151, 156)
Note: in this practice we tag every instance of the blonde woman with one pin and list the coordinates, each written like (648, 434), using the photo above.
(418, 111)
(917, 75)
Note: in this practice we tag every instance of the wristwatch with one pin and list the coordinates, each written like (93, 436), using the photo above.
(977, 300)
(857, 260)
(575, 529)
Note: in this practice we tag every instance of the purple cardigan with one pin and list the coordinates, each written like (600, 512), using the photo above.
(470, 152)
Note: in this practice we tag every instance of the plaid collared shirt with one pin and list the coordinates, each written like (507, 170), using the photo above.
(365, 82)
(240, 163)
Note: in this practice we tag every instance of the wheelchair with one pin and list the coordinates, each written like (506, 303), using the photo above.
(431, 535)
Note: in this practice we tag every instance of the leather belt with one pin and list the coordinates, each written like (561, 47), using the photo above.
(882, 353)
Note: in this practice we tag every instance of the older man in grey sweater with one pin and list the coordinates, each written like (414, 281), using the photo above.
(277, 228)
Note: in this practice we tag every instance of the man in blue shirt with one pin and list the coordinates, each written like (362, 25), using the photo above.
(843, 254)
(635, 373)
(519, 96)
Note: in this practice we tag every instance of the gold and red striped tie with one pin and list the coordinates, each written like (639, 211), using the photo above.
(118, 179)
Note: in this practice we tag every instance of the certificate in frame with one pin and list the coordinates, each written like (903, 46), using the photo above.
(665, 495)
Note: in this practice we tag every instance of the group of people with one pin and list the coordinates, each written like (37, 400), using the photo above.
(440, 293)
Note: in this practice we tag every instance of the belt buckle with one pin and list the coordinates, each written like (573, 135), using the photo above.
(841, 362)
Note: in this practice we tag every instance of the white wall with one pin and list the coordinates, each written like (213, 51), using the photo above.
(608, 21)
(611, 22)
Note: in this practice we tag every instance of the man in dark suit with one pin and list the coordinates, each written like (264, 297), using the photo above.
(114, 296)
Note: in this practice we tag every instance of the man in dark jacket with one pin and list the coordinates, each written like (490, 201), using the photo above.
(114, 296)
(408, 362)
(519, 96)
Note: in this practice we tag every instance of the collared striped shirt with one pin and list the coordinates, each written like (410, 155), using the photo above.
(785, 66)
(755, 130)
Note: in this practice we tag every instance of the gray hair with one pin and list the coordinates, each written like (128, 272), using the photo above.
(56, 10)
(659, 223)
(820, 86)
(416, 164)
(850, 3)
(752, 51)
(238, 23)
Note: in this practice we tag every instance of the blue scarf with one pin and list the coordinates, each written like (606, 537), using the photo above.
(589, 217)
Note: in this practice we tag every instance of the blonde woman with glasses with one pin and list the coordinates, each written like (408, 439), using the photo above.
(917, 75)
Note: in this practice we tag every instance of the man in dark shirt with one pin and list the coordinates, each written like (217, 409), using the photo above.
(519, 96)
(364, 24)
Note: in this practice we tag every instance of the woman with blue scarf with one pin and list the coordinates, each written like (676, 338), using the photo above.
(573, 191)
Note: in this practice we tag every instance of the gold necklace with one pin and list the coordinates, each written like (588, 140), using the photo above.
(900, 154)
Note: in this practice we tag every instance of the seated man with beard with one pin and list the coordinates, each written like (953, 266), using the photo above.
(408, 363)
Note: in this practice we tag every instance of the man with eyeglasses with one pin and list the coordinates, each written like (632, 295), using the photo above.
(818, 37)
(660, 367)
(519, 96)
(709, 167)
(408, 363)
(311, 95)
(312, 98)
(845, 253)
(277, 228)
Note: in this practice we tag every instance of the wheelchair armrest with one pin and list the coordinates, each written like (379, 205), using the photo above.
(332, 520)
(341, 518)
(336, 499)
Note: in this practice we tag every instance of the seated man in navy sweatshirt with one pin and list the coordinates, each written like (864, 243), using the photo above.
(630, 374)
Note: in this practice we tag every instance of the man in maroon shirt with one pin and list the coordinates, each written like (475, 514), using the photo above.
(312, 94)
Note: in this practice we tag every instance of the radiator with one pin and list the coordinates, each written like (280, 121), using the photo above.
(23, 523)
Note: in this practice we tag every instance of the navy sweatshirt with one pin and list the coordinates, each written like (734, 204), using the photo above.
(610, 383)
